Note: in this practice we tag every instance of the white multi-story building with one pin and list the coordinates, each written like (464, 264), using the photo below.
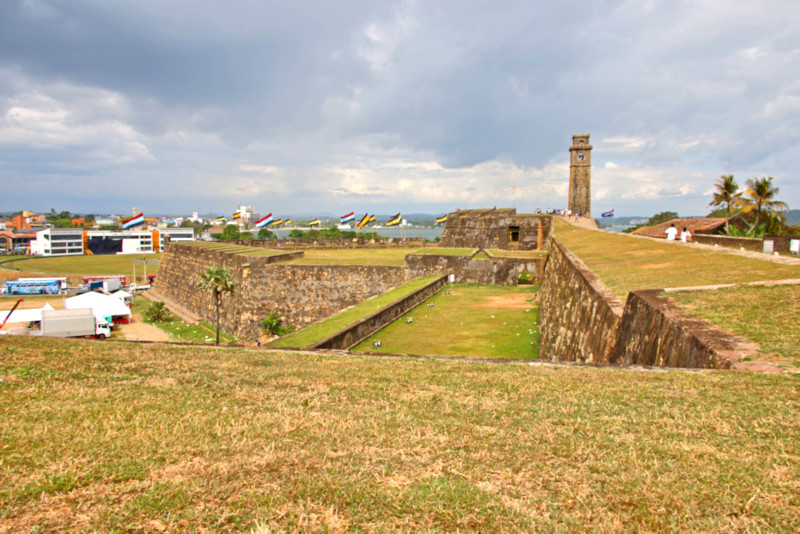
(57, 242)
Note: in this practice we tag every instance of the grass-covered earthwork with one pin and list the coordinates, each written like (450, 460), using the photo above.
(445, 251)
(466, 320)
(317, 331)
(770, 316)
(353, 256)
(113, 437)
(625, 263)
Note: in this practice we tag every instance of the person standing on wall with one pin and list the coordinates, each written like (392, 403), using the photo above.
(671, 232)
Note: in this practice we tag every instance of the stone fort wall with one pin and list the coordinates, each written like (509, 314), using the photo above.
(300, 294)
(582, 321)
(496, 229)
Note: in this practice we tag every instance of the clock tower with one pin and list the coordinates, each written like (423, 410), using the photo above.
(580, 175)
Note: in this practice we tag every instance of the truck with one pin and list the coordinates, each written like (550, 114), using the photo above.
(109, 285)
(73, 323)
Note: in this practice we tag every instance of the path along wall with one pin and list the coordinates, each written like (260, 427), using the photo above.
(300, 294)
(582, 321)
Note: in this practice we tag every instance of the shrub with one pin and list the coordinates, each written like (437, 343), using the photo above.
(273, 325)
(525, 277)
(157, 312)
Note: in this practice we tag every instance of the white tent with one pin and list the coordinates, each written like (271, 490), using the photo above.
(121, 294)
(101, 305)
(25, 316)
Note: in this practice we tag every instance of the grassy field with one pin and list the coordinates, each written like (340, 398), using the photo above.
(625, 263)
(85, 265)
(440, 251)
(517, 253)
(322, 329)
(477, 321)
(124, 437)
(770, 316)
(353, 256)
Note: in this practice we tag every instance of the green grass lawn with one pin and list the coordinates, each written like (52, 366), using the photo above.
(625, 263)
(108, 437)
(87, 265)
(770, 316)
(445, 251)
(478, 321)
(353, 256)
(517, 253)
(317, 331)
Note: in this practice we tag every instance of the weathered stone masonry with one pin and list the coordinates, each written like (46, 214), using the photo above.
(300, 294)
(578, 314)
(582, 321)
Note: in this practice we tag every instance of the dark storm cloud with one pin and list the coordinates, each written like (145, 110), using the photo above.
(406, 102)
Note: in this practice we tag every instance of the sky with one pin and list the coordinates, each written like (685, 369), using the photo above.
(314, 107)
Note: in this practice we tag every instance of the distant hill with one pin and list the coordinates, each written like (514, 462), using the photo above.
(793, 217)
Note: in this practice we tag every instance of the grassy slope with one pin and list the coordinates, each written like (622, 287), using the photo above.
(103, 436)
(771, 316)
(322, 329)
(767, 316)
(465, 323)
(625, 263)
(353, 256)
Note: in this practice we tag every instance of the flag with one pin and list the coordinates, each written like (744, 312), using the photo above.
(287, 222)
(136, 220)
(347, 218)
(608, 213)
(276, 222)
(263, 221)
(394, 221)
(441, 219)
(237, 214)
(315, 222)
(220, 220)
(363, 222)
(371, 218)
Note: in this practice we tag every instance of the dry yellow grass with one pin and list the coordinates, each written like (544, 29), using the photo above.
(123, 437)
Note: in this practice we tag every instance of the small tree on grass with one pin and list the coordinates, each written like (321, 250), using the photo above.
(156, 312)
(273, 325)
(216, 280)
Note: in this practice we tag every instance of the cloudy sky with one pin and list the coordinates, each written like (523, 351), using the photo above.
(315, 106)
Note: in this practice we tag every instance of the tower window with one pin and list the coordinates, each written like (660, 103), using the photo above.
(513, 234)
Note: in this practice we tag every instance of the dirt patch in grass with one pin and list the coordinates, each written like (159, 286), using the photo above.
(519, 301)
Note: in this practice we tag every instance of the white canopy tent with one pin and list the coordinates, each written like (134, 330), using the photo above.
(25, 316)
(101, 305)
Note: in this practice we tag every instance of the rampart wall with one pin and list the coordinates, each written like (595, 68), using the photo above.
(578, 314)
(353, 334)
(582, 321)
(780, 243)
(300, 294)
(468, 269)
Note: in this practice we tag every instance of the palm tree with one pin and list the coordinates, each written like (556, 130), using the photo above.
(727, 193)
(759, 195)
(217, 280)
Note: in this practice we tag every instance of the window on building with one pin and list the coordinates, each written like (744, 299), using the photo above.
(513, 234)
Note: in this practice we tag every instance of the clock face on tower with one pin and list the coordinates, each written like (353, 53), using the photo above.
(581, 156)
